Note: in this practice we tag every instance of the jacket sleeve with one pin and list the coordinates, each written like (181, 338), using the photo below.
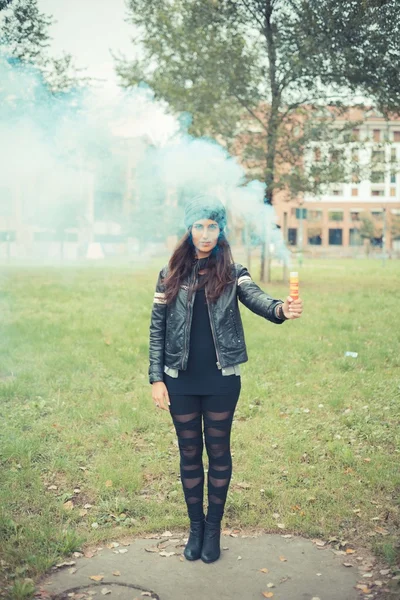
(252, 296)
(157, 332)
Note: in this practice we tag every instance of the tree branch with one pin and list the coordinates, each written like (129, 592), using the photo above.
(250, 111)
(253, 14)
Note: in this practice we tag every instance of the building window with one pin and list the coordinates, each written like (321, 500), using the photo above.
(314, 215)
(392, 177)
(354, 192)
(335, 237)
(7, 236)
(392, 191)
(315, 240)
(335, 215)
(292, 236)
(378, 156)
(377, 192)
(393, 155)
(355, 237)
(377, 177)
(376, 134)
(377, 214)
(354, 215)
(356, 134)
(396, 136)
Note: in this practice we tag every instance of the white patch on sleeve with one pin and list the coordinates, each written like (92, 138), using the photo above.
(243, 279)
(159, 298)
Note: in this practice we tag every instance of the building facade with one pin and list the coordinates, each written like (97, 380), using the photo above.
(364, 212)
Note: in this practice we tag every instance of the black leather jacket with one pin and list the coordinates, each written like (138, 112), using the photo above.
(170, 324)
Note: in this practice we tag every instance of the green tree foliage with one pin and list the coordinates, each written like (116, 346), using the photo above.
(359, 46)
(4, 4)
(260, 71)
(24, 33)
(25, 37)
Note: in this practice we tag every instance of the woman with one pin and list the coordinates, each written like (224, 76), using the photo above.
(196, 346)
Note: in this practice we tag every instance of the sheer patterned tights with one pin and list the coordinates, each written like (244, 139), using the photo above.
(217, 431)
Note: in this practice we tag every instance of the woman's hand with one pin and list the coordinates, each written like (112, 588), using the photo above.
(160, 395)
(292, 309)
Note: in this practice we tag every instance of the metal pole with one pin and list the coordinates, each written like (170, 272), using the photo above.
(301, 240)
(285, 239)
(384, 237)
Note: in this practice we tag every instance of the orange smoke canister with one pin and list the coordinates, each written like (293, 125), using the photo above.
(294, 285)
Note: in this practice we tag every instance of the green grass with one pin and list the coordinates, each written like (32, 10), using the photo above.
(315, 436)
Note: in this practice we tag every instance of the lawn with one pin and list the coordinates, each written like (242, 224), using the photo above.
(85, 456)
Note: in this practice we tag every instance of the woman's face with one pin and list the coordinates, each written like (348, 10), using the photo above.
(205, 234)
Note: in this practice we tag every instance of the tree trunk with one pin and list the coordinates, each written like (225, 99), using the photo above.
(273, 124)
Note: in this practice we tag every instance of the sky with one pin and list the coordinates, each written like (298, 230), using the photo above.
(89, 29)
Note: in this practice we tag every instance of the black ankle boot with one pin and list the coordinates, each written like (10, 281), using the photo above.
(195, 542)
(211, 543)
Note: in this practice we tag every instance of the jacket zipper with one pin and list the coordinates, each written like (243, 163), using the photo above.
(234, 325)
(212, 330)
(187, 322)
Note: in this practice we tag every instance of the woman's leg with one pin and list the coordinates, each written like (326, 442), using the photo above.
(186, 415)
(218, 416)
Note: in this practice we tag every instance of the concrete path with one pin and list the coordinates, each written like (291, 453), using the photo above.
(251, 567)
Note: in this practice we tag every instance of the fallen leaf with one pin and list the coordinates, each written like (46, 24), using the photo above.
(281, 525)
(270, 585)
(96, 577)
(83, 512)
(109, 483)
(52, 487)
(264, 570)
(268, 594)
(67, 563)
(105, 591)
(363, 588)
(116, 573)
(381, 530)
(347, 564)
(350, 551)
(68, 505)
(282, 558)
(166, 534)
(72, 570)
(89, 554)
(167, 554)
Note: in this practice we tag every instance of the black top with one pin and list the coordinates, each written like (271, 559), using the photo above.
(202, 375)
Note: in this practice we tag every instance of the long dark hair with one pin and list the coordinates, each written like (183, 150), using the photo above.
(183, 260)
